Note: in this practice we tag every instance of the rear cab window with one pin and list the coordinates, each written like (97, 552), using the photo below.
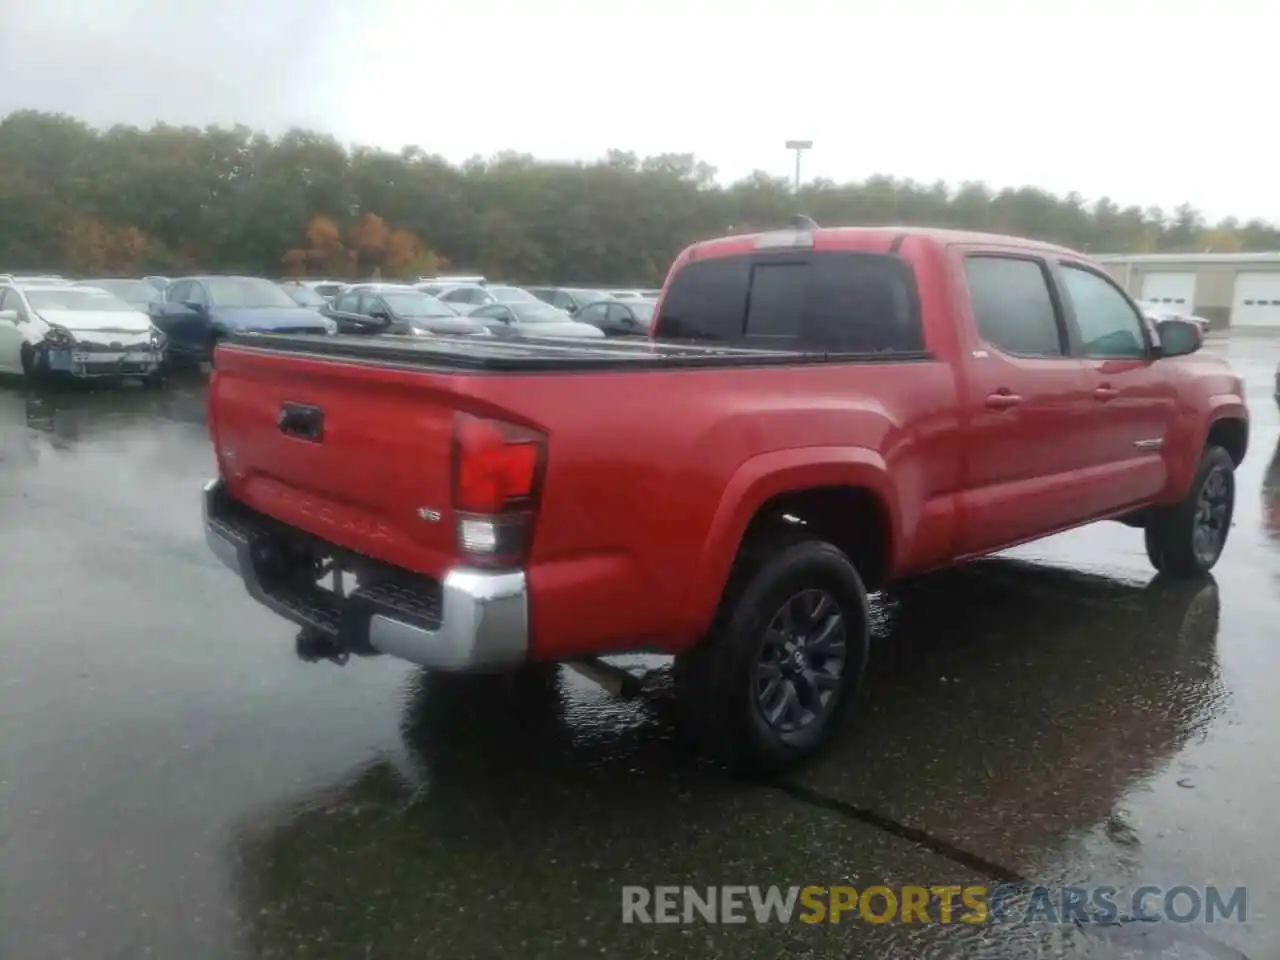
(1013, 307)
(834, 301)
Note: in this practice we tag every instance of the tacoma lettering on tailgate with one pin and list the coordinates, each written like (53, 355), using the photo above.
(276, 498)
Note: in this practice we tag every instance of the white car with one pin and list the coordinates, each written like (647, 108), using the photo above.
(1158, 312)
(466, 297)
(324, 288)
(75, 331)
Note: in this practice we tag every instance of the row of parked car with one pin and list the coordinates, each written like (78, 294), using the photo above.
(491, 308)
(138, 327)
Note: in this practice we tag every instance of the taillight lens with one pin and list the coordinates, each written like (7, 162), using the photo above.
(497, 470)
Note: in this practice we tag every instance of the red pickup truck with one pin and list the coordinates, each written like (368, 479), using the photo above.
(820, 412)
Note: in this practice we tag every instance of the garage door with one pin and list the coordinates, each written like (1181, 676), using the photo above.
(1175, 292)
(1257, 300)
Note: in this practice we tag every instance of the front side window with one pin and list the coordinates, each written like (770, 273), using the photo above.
(1012, 305)
(1109, 326)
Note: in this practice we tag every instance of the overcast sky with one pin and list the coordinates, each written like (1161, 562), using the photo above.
(1148, 102)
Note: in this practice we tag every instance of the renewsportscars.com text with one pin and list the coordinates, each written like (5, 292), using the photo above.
(975, 904)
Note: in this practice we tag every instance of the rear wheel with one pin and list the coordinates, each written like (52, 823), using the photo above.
(1187, 539)
(783, 660)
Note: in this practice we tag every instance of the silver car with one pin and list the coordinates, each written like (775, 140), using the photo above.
(531, 319)
(1158, 312)
(466, 297)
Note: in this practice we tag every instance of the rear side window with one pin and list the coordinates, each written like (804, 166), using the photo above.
(841, 302)
(1012, 306)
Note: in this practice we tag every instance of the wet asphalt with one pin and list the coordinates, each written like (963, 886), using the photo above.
(174, 782)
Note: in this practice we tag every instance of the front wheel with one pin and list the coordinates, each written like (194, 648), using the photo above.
(1186, 540)
(784, 659)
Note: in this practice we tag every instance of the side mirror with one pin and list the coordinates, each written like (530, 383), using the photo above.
(9, 316)
(1179, 337)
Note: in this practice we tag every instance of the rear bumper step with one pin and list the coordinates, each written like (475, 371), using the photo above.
(470, 620)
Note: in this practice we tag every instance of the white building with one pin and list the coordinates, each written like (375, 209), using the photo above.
(1231, 289)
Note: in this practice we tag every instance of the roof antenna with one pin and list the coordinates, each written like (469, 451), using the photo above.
(802, 222)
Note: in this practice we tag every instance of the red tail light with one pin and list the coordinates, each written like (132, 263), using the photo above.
(497, 470)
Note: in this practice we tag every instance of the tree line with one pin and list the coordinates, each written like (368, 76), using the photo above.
(181, 199)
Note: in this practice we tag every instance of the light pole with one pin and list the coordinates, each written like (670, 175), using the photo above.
(799, 146)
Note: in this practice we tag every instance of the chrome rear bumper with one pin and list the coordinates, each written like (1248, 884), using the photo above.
(470, 620)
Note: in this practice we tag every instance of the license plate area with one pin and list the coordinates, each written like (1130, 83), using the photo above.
(328, 588)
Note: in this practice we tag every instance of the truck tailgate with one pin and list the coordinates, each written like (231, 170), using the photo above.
(360, 461)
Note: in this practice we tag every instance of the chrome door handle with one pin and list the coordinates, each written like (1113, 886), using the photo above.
(1003, 401)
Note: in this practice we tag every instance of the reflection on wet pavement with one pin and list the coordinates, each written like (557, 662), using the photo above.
(174, 782)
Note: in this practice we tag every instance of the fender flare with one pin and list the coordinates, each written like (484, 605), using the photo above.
(760, 479)
(1222, 407)
(1227, 406)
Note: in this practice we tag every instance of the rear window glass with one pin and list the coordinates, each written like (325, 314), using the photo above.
(777, 297)
(842, 302)
(707, 300)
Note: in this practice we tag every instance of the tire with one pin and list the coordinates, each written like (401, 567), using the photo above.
(727, 687)
(1187, 539)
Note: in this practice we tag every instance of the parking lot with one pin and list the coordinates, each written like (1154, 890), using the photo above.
(174, 782)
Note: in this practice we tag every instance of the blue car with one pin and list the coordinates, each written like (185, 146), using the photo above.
(197, 312)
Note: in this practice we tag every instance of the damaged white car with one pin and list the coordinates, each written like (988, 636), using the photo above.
(48, 329)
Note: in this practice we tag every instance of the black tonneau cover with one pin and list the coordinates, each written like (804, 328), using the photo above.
(536, 354)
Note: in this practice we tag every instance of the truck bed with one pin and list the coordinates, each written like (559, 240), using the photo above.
(528, 356)
(642, 440)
